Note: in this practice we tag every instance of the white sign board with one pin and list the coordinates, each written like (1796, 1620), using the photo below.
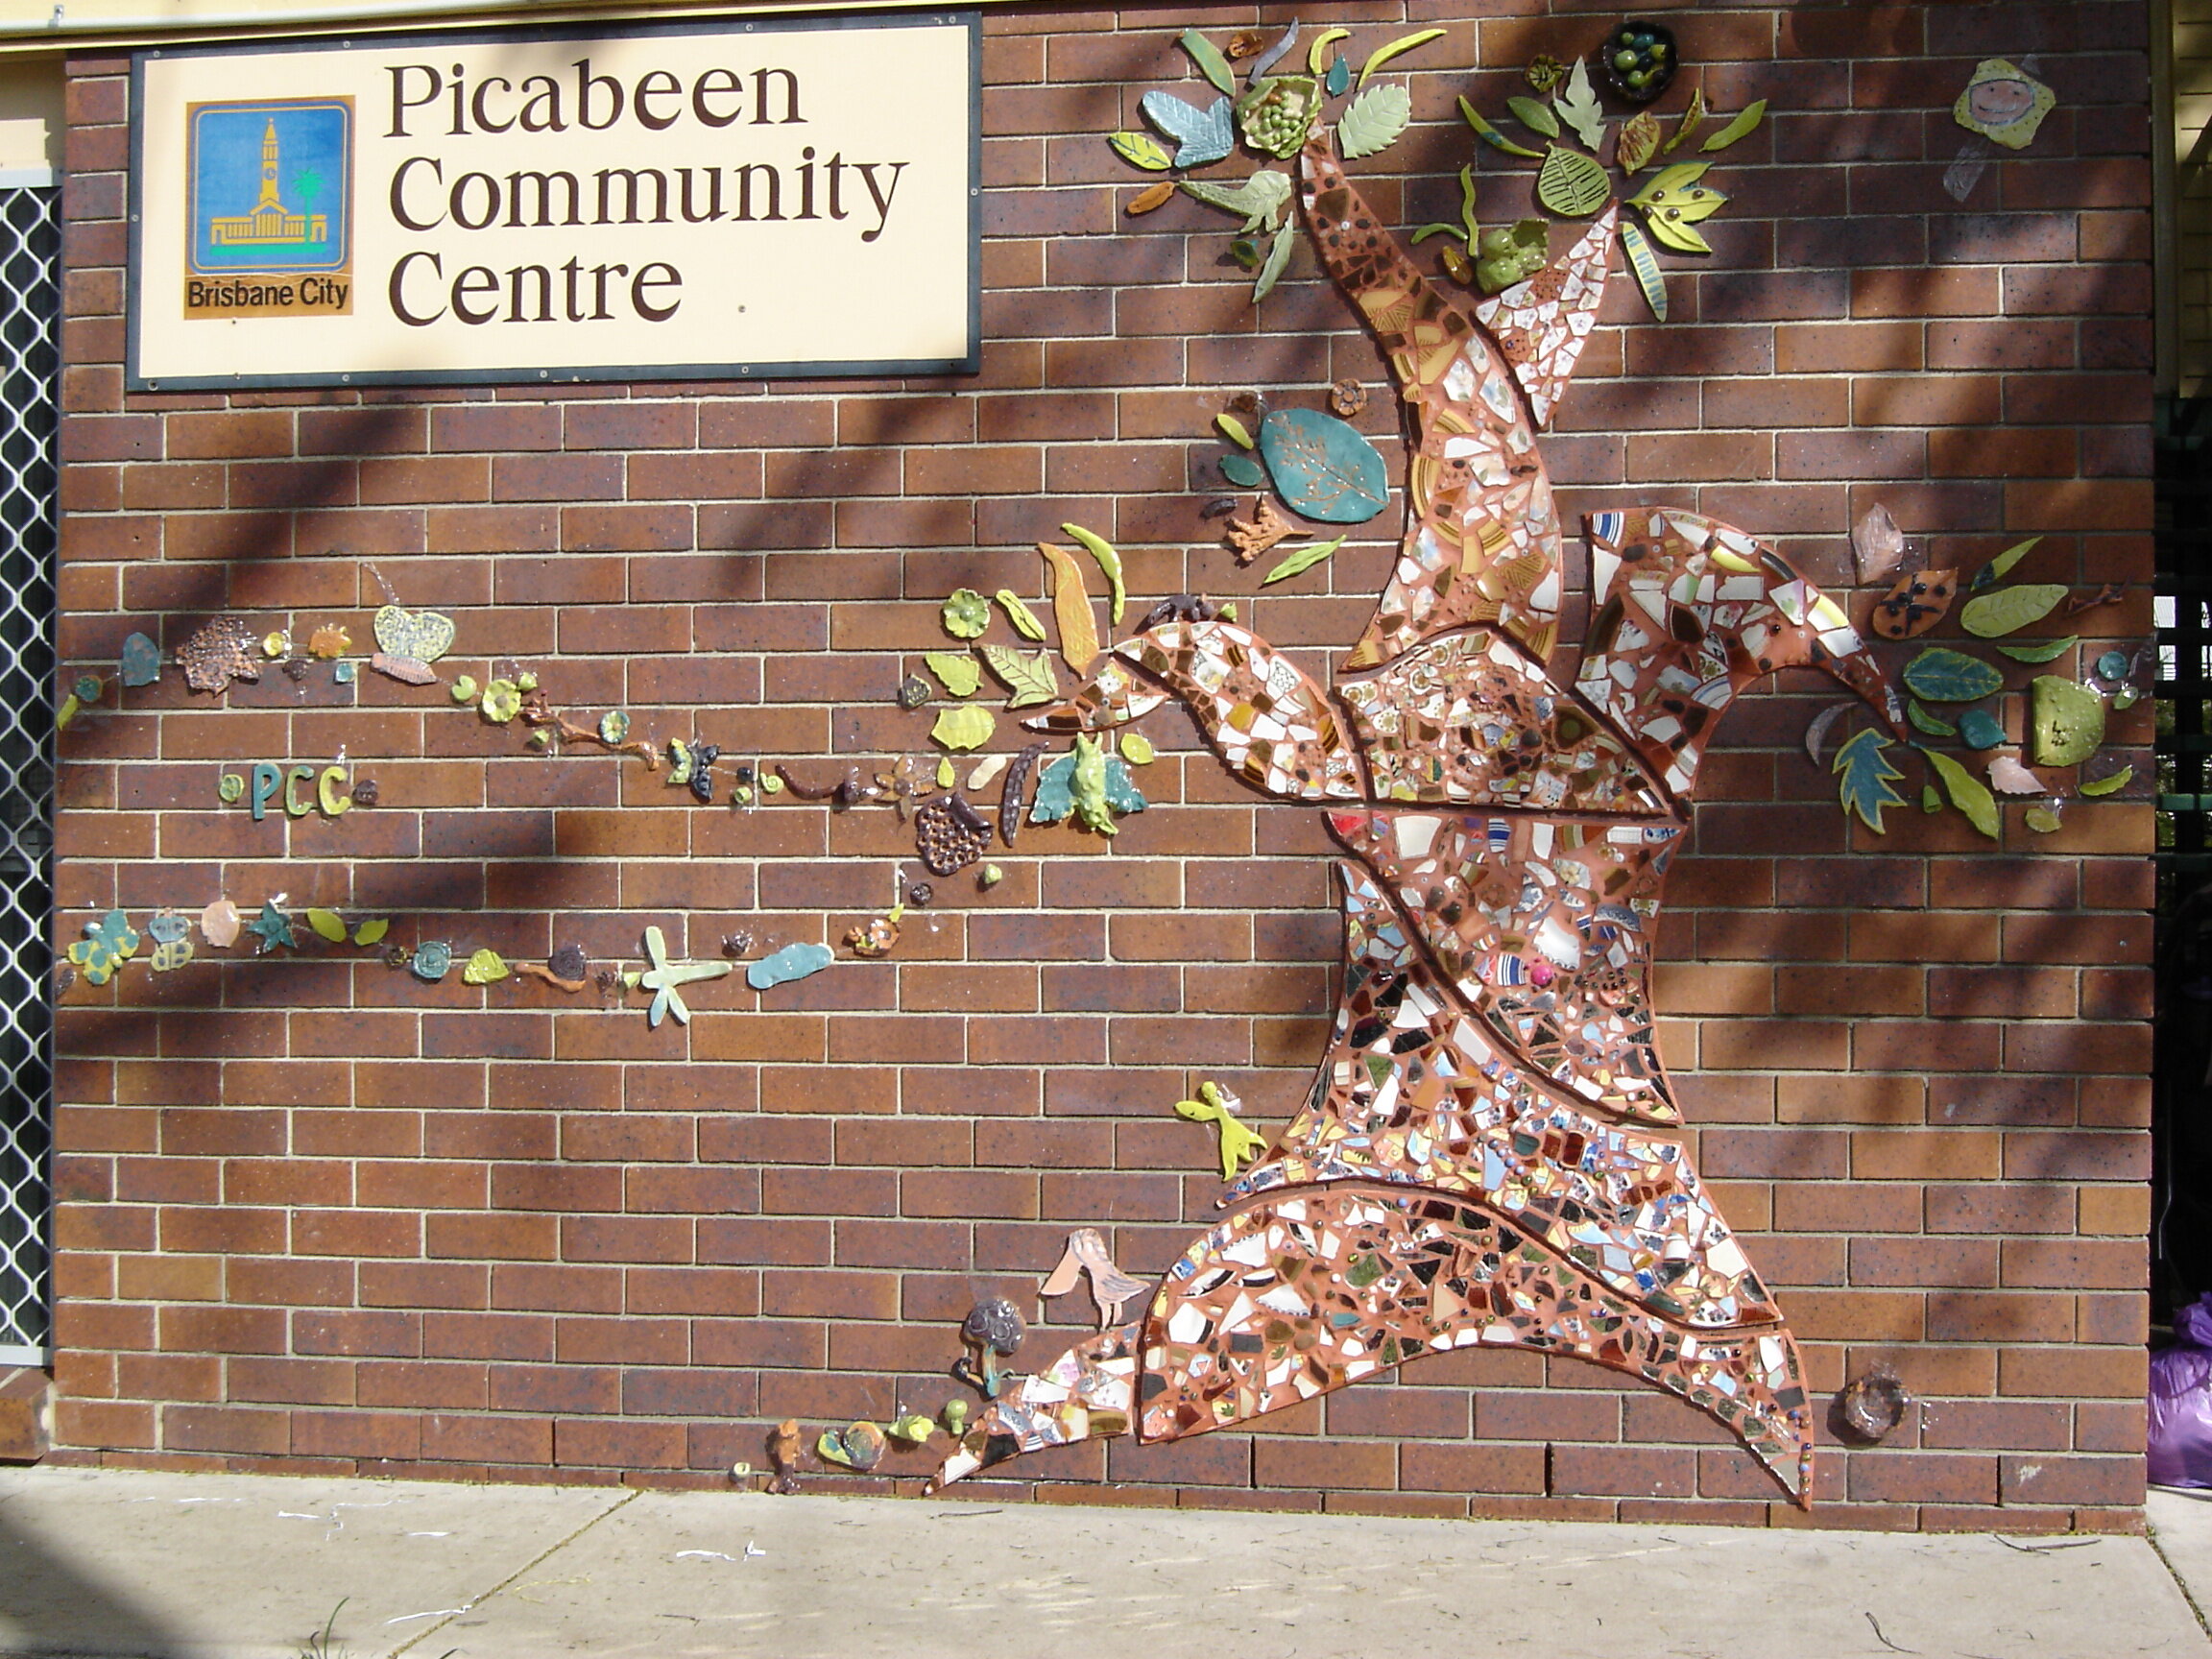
(731, 199)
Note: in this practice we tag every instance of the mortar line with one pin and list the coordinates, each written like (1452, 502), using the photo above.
(2150, 1535)
(550, 1550)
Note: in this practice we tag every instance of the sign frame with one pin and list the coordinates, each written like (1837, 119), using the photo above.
(971, 363)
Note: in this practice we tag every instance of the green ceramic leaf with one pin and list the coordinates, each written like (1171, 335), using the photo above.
(1491, 137)
(1243, 471)
(1676, 235)
(1109, 563)
(966, 614)
(1571, 185)
(1676, 187)
(2068, 721)
(1692, 118)
(955, 670)
(2110, 785)
(327, 925)
(1941, 675)
(1024, 618)
(1136, 749)
(1323, 468)
(1645, 262)
(2008, 610)
(1211, 63)
(1740, 128)
(1261, 199)
(1234, 430)
(2002, 565)
(1978, 729)
(1142, 150)
(1303, 559)
(1534, 115)
(1404, 43)
(1578, 106)
(1373, 121)
(1278, 261)
(967, 727)
(1931, 800)
(2042, 820)
(1967, 792)
(1863, 765)
(1029, 677)
(1927, 720)
(2039, 650)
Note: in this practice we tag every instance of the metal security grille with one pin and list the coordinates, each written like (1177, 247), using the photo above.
(30, 309)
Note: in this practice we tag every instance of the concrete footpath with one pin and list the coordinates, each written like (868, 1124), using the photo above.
(99, 1562)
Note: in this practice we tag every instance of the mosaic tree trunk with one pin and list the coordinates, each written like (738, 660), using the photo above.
(1491, 1152)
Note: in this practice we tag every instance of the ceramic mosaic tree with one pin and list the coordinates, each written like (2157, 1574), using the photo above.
(1492, 1154)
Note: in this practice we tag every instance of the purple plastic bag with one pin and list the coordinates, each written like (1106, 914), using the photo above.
(2181, 1402)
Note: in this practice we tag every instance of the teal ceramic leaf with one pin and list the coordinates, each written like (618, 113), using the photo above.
(1201, 135)
(1978, 729)
(1863, 765)
(1243, 471)
(792, 962)
(1941, 675)
(1323, 468)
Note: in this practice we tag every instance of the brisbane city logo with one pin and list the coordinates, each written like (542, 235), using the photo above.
(272, 211)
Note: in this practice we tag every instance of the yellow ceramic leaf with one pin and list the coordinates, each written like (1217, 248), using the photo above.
(1072, 609)
(967, 727)
(371, 932)
(485, 968)
(328, 924)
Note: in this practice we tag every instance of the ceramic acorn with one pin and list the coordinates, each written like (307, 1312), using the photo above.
(1491, 1154)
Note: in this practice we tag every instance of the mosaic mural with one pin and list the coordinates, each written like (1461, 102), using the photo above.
(1491, 1153)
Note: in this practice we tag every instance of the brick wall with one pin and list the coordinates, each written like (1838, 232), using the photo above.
(317, 1216)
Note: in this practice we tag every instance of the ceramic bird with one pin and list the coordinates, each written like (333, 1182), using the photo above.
(1110, 1287)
